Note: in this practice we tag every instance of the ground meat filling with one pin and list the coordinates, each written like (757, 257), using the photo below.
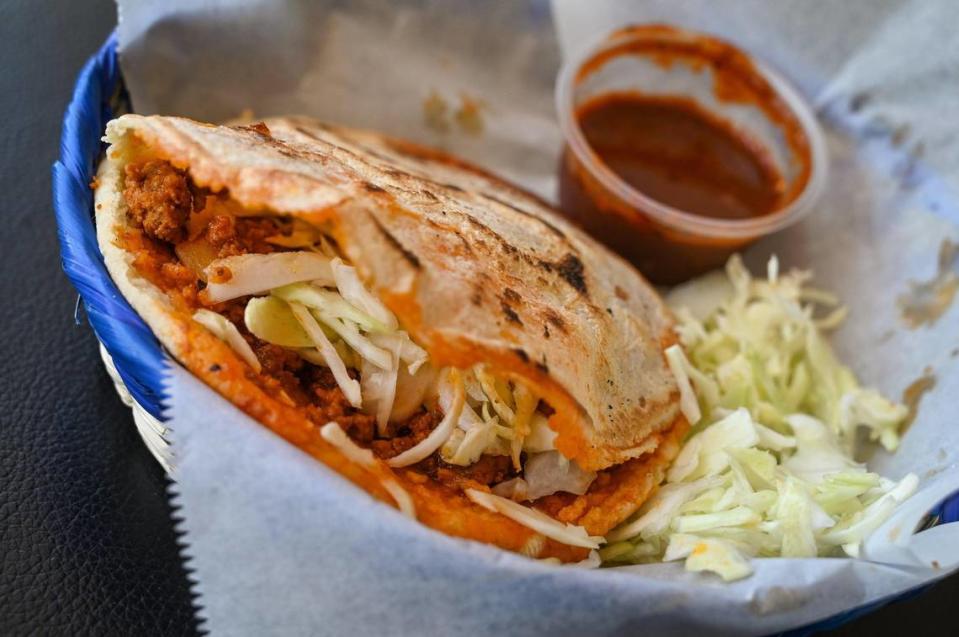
(329, 403)
(233, 236)
(160, 200)
(487, 471)
(406, 435)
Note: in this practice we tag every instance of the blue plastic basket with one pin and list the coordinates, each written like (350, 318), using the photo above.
(99, 96)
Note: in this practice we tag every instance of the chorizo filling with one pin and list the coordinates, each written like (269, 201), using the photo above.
(278, 291)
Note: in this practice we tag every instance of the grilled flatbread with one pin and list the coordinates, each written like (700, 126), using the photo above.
(476, 297)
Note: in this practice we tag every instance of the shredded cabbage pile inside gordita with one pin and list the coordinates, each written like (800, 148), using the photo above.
(313, 303)
(768, 469)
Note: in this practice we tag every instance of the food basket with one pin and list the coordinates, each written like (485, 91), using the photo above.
(132, 355)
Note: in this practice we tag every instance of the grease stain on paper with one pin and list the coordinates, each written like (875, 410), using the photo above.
(439, 115)
(469, 116)
(779, 599)
(435, 112)
(927, 301)
(913, 394)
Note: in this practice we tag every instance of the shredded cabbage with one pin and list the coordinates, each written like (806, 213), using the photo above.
(537, 520)
(678, 365)
(226, 331)
(350, 335)
(330, 303)
(541, 436)
(708, 554)
(350, 387)
(271, 320)
(402, 497)
(443, 430)
(334, 434)
(329, 318)
(345, 327)
(768, 470)
(510, 423)
(412, 391)
(548, 472)
(258, 273)
(464, 448)
(762, 349)
(378, 387)
(352, 289)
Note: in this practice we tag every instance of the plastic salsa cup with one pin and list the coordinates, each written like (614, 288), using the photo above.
(660, 62)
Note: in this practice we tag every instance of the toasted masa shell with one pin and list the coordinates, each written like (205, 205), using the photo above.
(475, 269)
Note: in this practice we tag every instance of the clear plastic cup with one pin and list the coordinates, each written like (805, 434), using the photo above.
(668, 244)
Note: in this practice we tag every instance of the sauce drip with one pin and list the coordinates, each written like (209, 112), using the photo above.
(673, 151)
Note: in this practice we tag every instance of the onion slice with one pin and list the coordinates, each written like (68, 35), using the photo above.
(226, 331)
(350, 387)
(258, 273)
(442, 431)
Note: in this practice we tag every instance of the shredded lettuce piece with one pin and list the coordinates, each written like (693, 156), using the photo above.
(409, 352)
(818, 453)
(699, 522)
(412, 391)
(329, 318)
(765, 351)
(851, 531)
(363, 332)
(492, 394)
(768, 470)
(226, 331)
(466, 446)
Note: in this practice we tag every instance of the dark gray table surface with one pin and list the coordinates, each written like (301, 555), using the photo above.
(87, 543)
